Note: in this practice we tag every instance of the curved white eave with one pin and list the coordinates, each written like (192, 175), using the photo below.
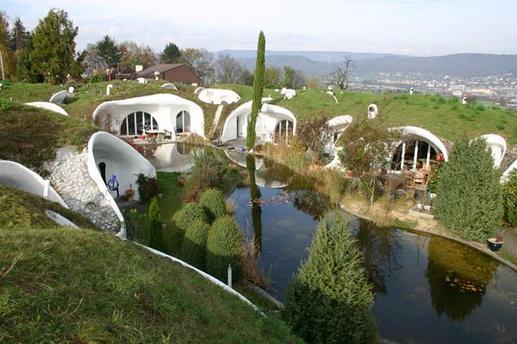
(218, 96)
(506, 174)
(48, 106)
(17, 176)
(107, 139)
(427, 135)
(497, 146)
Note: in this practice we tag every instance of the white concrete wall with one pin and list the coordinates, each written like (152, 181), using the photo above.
(497, 146)
(163, 107)
(121, 159)
(48, 106)
(267, 119)
(218, 96)
(17, 176)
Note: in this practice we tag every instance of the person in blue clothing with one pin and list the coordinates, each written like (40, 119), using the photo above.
(113, 185)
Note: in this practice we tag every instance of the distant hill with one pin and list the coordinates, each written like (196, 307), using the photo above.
(368, 65)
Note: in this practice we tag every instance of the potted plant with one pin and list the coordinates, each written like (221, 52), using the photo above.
(495, 244)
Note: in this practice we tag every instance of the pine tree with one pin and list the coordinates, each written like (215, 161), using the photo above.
(53, 54)
(329, 300)
(108, 50)
(171, 54)
(258, 89)
(469, 196)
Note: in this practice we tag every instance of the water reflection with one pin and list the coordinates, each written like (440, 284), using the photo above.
(170, 157)
(256, 210)
(457, 280)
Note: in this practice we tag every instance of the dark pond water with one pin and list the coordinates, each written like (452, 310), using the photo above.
(427, 289)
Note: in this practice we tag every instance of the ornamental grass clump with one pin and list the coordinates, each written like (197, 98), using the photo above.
(190, 213)
(193, 248)
(212, 200)
(224, 247)
(330, 299)
(469, 198)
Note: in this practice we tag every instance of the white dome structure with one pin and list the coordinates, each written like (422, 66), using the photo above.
(337, 126)
(218, 96)
(169, 86)
(158, 112)
(17, 176)
(419, 146)
(48, 106)
(373, 111)
(274, 124)
(59, 97)
(288, 93)
(506, 175)
(497, 146)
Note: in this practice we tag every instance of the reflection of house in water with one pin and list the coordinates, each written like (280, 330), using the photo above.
(172, 157)
(457, 280)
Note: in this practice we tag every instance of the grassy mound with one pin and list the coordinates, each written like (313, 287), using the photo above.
(31, 136)
(82, 286)
(21, 209)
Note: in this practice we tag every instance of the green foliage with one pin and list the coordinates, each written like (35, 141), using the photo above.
(108, 51)
(53, 54)
(510, 199)
(213, 202)
(272, 77)
(148, 187)
(187, 215)
(193, 248)
(258, 90)
(434, 175)
(224, 247)
(208, 172)
(469, 196)
(155, 219)
(329, 300)
(171, 53)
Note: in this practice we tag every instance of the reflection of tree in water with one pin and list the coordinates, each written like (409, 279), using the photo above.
(310, 202)
(379, 247)
(458, 277)
(256, 210)
(278, 172)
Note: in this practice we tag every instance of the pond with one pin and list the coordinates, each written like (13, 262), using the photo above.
(427, 289)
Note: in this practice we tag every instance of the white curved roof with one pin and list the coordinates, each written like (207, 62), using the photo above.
(426, 135)
(169, 86)
(48, 106)
(497, 146)
(127, 164)
(340, 121)
(288, 93)
(17, 176)
(218, 96)
(506, 174)
(58, 97)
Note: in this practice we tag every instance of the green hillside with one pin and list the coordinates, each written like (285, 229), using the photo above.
(61, 285)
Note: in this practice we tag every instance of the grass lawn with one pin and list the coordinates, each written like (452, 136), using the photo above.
(80, 286)
(446, 117)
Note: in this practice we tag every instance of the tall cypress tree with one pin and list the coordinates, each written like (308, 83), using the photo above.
(258, 89)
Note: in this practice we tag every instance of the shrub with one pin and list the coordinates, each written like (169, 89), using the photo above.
(208, 172)
(510, 199)
(147, 187)
(329, 300)
(155, 235)
(190, 213)
(224, 247)
(469, 196)
(213, 202)
(193, 248)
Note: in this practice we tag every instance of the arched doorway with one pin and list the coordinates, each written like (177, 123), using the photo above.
(102, 170)
(284, 131)
(136, 122)
(182, 122)
(414, 154)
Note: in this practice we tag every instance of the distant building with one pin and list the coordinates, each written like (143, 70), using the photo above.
(175, 73)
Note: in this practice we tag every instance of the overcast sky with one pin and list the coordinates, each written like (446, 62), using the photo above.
(414, 27)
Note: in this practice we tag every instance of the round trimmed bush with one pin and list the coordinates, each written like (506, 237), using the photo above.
(213, 202)
(193, 248)
(190, 213)
(224, 247)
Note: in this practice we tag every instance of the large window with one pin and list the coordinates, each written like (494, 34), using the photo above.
(284, 131)
(182, 122)
(413, 154)
(136, 122)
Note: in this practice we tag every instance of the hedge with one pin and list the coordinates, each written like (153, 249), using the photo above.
(188, 214)
(224, 247)
(193, 248)
(212, 200)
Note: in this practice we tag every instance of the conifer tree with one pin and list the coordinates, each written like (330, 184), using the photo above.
(258, 89)
(156, 235)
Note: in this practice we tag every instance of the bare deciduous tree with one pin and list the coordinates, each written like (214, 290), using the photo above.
(228, 69)
(341, 76)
